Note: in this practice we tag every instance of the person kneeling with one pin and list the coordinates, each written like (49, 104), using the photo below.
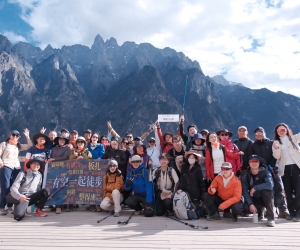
(258, 190)
(165, 179)
(113, 188)
(27, 190)
(137, 181)
(225, 192)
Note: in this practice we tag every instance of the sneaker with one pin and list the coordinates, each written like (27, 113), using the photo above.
(93, 208)
(283, 214)
(58, 210)
(99, 209)
(234, 217)
(116, 214)
(271, 223)
(10, 210)
(215, 216)
(3, 211)
(137, 212)
(296, 219)
(40, 213)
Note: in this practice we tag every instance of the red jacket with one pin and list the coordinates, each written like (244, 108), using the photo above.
(165, 146)
(231, 147)
(209, 161)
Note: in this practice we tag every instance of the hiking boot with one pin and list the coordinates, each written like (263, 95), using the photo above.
(234, 217)
(40, 213)
(52, 209)
(260, 216)
(137, 212)
(289, 217)
(58, 210)
(215, 216)
(227, 214)
(99, 209)
(3, 211)
(116, 214)
(296, 219)
(10, 210)
(271, 223)
(283, 214)
(93, 208)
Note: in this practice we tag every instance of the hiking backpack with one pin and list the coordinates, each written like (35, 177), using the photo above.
(158, 174)
(183, 207)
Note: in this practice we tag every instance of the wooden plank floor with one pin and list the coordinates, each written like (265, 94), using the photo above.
(79, 230)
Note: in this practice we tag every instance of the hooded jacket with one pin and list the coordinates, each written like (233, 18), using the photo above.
(232, 148)
(97, 152)
(113, 181)
(231, 194)
(262, 181)
(165, 146)
(118, 155)
(32, 184)
(61, 153)
(140, 184)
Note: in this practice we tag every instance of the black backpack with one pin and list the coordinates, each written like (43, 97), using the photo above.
(169, 171)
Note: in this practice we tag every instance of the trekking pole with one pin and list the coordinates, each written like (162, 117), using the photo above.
(98, 221)
(125, 222)
(187, 224)
(184, 95)
(58, 190)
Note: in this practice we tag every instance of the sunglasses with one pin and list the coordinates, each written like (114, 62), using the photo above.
(259, 133)
(224, 134)
(80, 142)
(281, 130)
(151, 141)
(135, 161)
(15, 135)
(95, 137)
(225, 169)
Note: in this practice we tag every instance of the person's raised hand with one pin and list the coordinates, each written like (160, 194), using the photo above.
(42, 131)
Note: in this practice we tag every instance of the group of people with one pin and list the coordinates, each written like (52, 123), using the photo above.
(238, 177)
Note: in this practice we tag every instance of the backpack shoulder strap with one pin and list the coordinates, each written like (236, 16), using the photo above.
(143, 173)
(171, 177)
(23, 179)
(157, 173)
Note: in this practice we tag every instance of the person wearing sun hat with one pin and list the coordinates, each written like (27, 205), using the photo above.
(138, 181)
(224, 192)
(27, 190)
(80, 151)
(113, 189)
(10, 164)
(39, 150)
(61, 151)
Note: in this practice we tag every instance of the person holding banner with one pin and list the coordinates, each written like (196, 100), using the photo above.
(61, 151)
(80, 151)
(138, 181)
(113, 189)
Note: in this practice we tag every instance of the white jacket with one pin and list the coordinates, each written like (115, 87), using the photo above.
(155, 152)
(295, 153)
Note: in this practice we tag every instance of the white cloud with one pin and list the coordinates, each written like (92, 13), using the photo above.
(255, 41)
(13, 38)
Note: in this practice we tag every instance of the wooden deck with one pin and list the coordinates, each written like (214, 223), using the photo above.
(79, 230)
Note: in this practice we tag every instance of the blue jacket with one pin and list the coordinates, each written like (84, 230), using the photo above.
(263, 181)
(97, 152)
(140, 184)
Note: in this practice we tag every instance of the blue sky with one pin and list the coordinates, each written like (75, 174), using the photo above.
(254, 42)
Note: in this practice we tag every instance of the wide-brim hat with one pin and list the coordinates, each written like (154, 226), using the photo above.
(36, 136)
(62, 136)
(42, 164)
(135, 158)
(187, 153)
(204, 130)
(81, 138)
(198, 136)
(224, 131)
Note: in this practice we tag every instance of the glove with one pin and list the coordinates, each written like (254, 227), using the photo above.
(238, 173)
(128, 183)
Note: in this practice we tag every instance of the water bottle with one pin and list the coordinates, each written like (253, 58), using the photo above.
(255, 218)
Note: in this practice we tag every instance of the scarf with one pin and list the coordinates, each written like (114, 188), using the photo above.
(40, 146)
(216, 145)
(13, 142)
(80, 149)
(72, 142)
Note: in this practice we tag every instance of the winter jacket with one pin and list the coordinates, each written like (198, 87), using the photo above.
(192, 181)
(140, 184)
(111, 182)
(186, 139)
(97, 152)
(263, 148)
(145, 157)
(9, 154)
(86, 154)
(231, 194)
(243, 144)
(32, 184)
(209, 162)
(232, 148)
(165, 146)
(118, 155)
(294, 150)
(61, 153)
(262, 181)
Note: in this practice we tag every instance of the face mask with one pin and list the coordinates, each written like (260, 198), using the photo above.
(191, 161)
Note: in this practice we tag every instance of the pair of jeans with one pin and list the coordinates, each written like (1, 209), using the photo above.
(7, 178)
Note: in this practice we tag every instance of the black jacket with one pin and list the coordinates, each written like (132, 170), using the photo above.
(243, 144)
(192, 181)
(263, 148)
(118, 155)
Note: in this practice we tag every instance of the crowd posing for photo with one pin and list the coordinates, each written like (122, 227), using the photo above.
(239, 177)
